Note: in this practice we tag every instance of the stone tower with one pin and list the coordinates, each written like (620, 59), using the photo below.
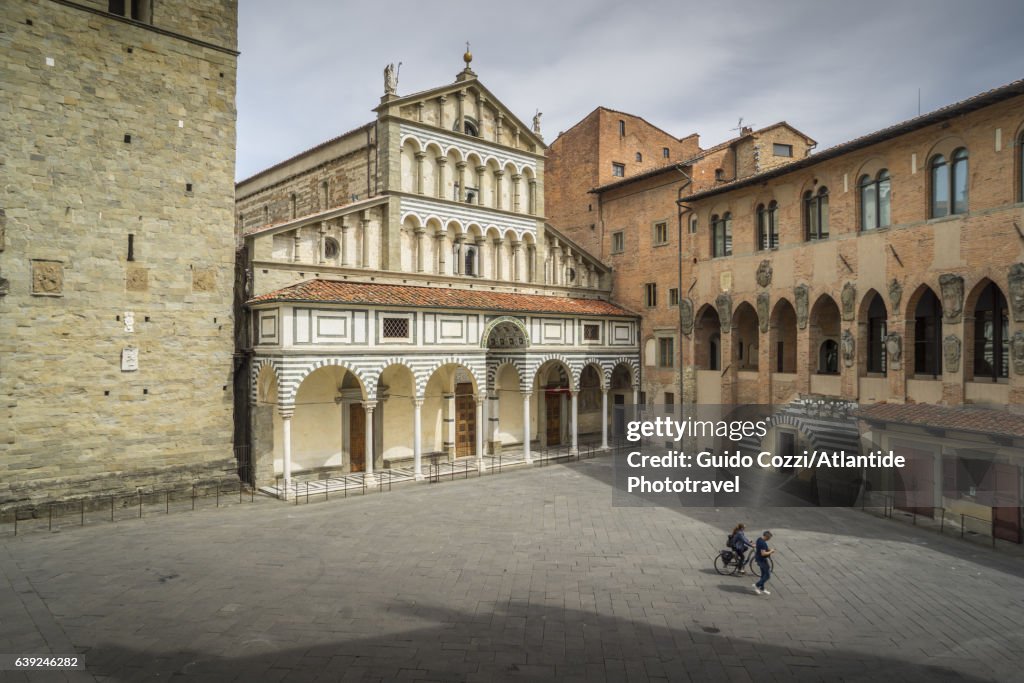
(116, 245)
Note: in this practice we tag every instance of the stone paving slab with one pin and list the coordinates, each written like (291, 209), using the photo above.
(531, 575)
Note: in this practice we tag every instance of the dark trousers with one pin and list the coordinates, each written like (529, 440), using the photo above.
(766, 572)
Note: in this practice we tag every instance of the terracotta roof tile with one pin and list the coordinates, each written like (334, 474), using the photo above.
(344, 292)
(980, 420)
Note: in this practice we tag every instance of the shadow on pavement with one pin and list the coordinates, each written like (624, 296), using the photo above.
(516, 642)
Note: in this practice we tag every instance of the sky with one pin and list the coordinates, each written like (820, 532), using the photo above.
(833, 69)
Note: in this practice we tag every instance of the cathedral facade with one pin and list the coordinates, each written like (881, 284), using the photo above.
(405, 297)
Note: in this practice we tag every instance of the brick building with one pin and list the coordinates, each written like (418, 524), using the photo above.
(116, 248)
(887, 270)
(634, 222)
(408, 299)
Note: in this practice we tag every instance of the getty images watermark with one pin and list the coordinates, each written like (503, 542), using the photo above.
(752, 455)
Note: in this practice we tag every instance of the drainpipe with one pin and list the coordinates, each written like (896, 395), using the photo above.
(683, 210)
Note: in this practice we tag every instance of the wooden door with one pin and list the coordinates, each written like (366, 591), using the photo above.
(357, 437)
(465, 422)
(553, 418)
(619, 411)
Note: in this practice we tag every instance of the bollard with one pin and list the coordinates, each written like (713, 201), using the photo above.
(140, 503)
(49, 523)
(218, 493)
(167, 502)
(193, 497)
(111, 508)
(15, 521)
(239, 491)
(307, 493)
(82, 512)
(961, 526)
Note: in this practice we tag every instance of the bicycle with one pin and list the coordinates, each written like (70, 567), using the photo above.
(727, 562)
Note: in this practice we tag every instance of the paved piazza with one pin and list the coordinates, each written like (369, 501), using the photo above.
(528, 575)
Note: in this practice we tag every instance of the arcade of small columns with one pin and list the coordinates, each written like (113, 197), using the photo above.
(950, 343)
(492, 190)
(558, 381)
(494, 255)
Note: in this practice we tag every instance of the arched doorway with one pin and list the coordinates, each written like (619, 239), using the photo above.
(553, 385)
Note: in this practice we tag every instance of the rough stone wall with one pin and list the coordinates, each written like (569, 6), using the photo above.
(76, 85)
(914, 251)
(345, 176)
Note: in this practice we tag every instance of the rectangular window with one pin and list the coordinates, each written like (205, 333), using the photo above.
(664, 152)
(666, 352)
(395, 328)
(693, 225)
(661, 233)
(591, 332)
(618, 170)
(781, 150)
(651, 294)
(622, 129)
(618, 242)
(670, 398)
(673, 296)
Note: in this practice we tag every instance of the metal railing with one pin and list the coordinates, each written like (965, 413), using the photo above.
(941, 519)
(118, 507)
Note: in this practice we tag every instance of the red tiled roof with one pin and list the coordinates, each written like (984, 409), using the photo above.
(344, 292)
(980, 420)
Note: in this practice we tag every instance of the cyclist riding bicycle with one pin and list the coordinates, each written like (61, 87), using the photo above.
(738, 543)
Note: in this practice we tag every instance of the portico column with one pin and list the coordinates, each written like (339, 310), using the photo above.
(493, 417)
(533, 196)
(498, 254)
(515, 191)
(458, 262)
(480, 431)
(368, 407)
(286, 441)
(461, 166)
(321, 250)
(526, 426)
(417, 438)
(419, 232)
(420, 158)
(442, 249)
(531, 263)
(516, 269)
(449, 426)
(636, 398)
(345, 249)
(480, 185)
(480, 242)
(604, 418)
(365, 223)
(498, 175)
(441, 163)
(574, 434)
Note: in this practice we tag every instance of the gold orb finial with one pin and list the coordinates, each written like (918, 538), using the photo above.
(468, 57)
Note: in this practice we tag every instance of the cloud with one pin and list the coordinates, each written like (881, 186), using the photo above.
(833, 70)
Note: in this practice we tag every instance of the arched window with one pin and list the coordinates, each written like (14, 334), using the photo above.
(469, 261)
(828, 357)
(816, 214)
(767, 226)
(721, 235)
(928, 335)
(331, 248)
(469, 126)
(877, 320)
(875, 209)
(948, 184)
(991, 335)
